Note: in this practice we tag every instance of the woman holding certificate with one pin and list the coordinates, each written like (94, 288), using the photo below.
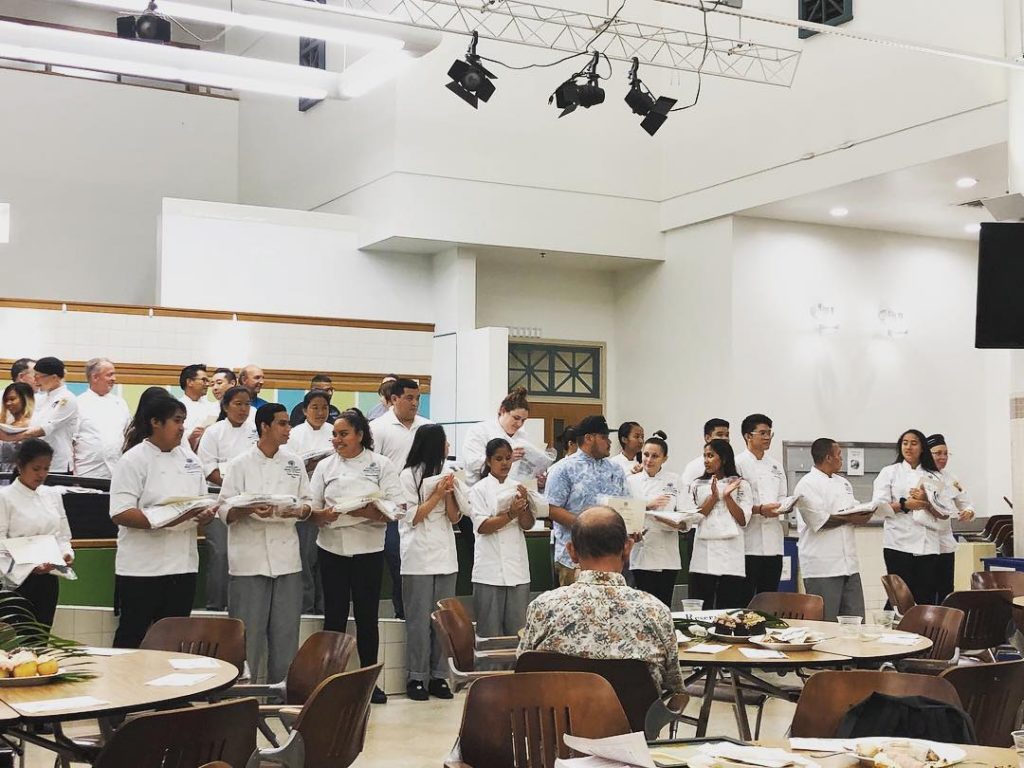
(512, 415)
(157, 497)
(359, 492)
(655, 559)
(724, 500)
(28, 508)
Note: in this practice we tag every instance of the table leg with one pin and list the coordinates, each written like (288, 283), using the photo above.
(709, 698)
(742, 723)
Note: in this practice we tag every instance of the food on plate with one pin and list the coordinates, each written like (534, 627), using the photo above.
(26, 664)
(740, 624)
(792, 635)
(900, 754)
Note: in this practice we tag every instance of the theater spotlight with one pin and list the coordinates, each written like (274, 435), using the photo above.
(642, 102)
(471, 82)
(571, 94)
(147, 26)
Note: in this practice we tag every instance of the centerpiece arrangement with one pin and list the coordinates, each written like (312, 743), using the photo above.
(30, 654)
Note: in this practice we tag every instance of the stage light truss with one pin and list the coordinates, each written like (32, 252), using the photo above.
(558, 29)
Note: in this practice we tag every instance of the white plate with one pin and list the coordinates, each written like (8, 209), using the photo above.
(949, 754)
(19, 682)
(729, 638)
(760, 641)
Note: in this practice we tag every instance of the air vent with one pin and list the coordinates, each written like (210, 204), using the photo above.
(831, 12)
(971, 204)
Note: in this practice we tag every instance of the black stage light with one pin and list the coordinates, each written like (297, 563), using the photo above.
(642, 102)
(471, 82)
(570, 94)
(148, 26)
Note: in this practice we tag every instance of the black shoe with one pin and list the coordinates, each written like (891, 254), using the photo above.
(439, 689)
(378, 697)
(414, 690)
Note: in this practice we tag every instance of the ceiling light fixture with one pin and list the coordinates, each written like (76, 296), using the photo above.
(966, 182)
(570, 94)
(471, 81)
(839, 212)
(642, 102)
(825, 318)
(893, 323)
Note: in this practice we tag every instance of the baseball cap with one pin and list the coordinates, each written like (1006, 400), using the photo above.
(50, 366)
(590, 425)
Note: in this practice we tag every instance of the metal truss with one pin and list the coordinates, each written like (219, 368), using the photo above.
(558, 29)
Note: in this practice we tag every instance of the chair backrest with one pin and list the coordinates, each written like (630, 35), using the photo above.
(940, 624)
(517, 721)
(992, 695)
(828, 696)
(456, 606)
(789, 605)
(630, 678)
(1011, 580)
(185, 738)
(899, 594)
(322, 655)
(988, 615)
(457, 637)
(216, 636)
(333, 720)
(992, 522)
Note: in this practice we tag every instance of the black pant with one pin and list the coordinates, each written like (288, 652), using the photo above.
(763, 574)
(658, 583)
(919, 571)
(40, 590)
(356, 579)
(945, 568)
(718, 591)
(393, 557)
(143, 600)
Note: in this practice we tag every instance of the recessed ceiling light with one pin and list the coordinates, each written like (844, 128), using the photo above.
(972, 229)
(839, 212)
(966, 182)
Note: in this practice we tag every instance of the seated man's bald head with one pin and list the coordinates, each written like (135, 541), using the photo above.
(599, 532)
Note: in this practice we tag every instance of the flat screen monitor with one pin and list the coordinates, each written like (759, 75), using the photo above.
(1000, 310)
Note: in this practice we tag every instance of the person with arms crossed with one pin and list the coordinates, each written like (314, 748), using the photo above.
(576, 483)
(958, 499)
(828, 543)
(55, 417)
(200, 412)
(103, 418)
(714, 429)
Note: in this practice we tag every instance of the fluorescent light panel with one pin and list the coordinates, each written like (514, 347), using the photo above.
(5, 222)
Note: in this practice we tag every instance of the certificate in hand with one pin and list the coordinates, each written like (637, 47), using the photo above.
(632, 510)
(533, 463)
(879, 508)
(176, 509)
(278, 503)
(34, 550)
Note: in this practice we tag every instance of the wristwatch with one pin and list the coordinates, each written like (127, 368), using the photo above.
(903, 504)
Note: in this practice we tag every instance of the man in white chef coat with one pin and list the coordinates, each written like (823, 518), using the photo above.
(714, 429)
(199, 411)
(55, 418)
(102, 417)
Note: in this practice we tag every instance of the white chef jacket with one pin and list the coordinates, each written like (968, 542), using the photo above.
(56, 413)
(692, 471)
(198, 412)
(475, 444)
(304, 439)
(328, 486)
(24, 512)
(659, 548)
(427, 549)
(626, 464)
(499, 558)
(961, 501)
(763, 535)
(100, 437)
(222, 442)
(901, 531)
(259, 547)
(144, 477)
(391, 438)
(720, 557)
(825, 552)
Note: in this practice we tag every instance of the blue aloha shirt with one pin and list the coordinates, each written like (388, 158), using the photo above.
(575, 483)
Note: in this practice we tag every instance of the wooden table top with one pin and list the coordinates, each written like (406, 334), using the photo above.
(832, 652)
(1019, 601)
(120, 683)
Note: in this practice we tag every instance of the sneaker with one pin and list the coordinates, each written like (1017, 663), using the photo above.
(378, 697)
(414, 690)
(439, 689)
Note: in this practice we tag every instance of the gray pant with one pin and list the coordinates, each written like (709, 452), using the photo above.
(423, 650)
(500, 610)
(312, 589)
(270, 609)
(843, 595)
(216, 534)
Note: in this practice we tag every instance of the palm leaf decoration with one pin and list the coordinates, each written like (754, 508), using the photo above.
(19, 631)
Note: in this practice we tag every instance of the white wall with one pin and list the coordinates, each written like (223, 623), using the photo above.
(85, 166)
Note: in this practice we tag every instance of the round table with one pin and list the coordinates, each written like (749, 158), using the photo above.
(1019, 601)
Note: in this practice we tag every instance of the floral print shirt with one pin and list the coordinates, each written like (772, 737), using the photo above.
(599, 617)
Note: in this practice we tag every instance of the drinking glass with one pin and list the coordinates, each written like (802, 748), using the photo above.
(1018, 745)
(849, 625)
(693, 606)
(885, 618)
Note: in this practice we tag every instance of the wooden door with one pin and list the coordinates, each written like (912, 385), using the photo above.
(558, 416)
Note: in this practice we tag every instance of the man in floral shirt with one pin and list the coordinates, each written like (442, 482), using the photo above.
(599, 617)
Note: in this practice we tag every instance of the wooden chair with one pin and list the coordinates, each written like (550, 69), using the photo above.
(990, 524)
(482, 643)
(631, 680)
(1004, 540)
(518, 721)
(992, 694)
(899, 594)
(331, 727)
(216, 636)
(789, 605)
(988, 613)
(457, 636)
(828, 696)
(1011, 580)
(940, 624)
(185, 738)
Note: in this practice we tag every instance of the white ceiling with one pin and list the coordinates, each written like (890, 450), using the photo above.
(919, 200)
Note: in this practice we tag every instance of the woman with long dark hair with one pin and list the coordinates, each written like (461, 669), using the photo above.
(429, 561)
(718, 564)
(911, 537)
(15, 411)
(136, 430)
(28, 508)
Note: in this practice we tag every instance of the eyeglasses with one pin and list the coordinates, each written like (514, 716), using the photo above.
(763, 433)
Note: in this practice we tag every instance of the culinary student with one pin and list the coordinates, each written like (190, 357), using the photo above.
(631, 440)
(959, 500)
(714, 429)
(513, 412)
(55, 417)
(200, 412)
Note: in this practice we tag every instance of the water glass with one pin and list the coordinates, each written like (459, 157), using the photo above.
(849, 625)
(885, 618)
(1018, 745)
(693, 606)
